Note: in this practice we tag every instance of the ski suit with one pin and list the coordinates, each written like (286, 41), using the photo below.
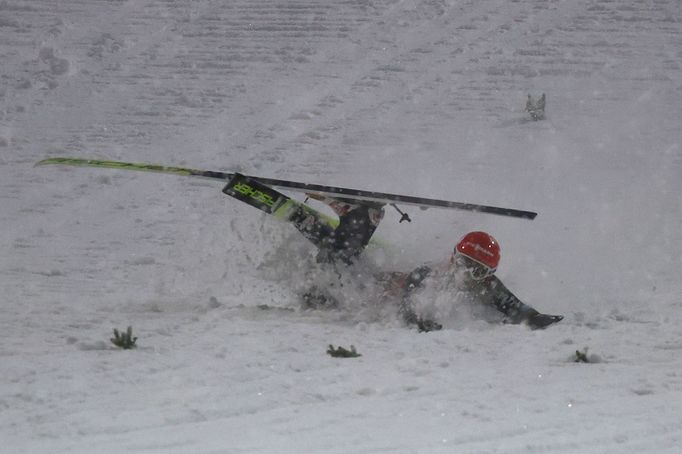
(489, 292)
(357, 223)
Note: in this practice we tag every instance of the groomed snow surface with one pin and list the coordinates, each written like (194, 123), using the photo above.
(406, 96)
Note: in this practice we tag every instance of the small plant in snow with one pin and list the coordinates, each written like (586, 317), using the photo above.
(536, 107)
(341, 352)
(583, 357)
(124, 340)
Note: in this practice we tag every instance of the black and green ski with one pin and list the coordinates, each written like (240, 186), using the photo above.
(275, 203)
(241, 187)
(331, 191)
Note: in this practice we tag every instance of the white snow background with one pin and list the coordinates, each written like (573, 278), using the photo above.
(416, 97)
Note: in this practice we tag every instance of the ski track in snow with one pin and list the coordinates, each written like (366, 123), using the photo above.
(418, 97)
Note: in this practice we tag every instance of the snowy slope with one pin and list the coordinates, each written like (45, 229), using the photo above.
(417, 97)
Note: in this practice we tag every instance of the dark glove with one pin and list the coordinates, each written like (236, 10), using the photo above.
(424, 326)
(541, 321)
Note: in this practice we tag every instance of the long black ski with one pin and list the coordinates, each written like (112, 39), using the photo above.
(332, 191)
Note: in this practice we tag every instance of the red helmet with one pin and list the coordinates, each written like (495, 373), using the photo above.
(480, 247)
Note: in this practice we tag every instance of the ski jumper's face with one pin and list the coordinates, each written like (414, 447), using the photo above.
(470, 268)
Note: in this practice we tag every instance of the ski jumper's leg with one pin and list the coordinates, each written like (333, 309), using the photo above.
(349, 239)
(357, 223)
(311, 225)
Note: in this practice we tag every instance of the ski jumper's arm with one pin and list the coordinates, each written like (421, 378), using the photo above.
(496, 294)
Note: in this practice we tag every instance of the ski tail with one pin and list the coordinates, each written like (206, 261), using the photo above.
(255, 194)
(313, 225)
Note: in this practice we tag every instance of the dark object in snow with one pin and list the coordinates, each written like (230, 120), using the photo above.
(317, 298)
(425, 326)
(581, 356)
(341, 352)
(536, 107)
(125, 340)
